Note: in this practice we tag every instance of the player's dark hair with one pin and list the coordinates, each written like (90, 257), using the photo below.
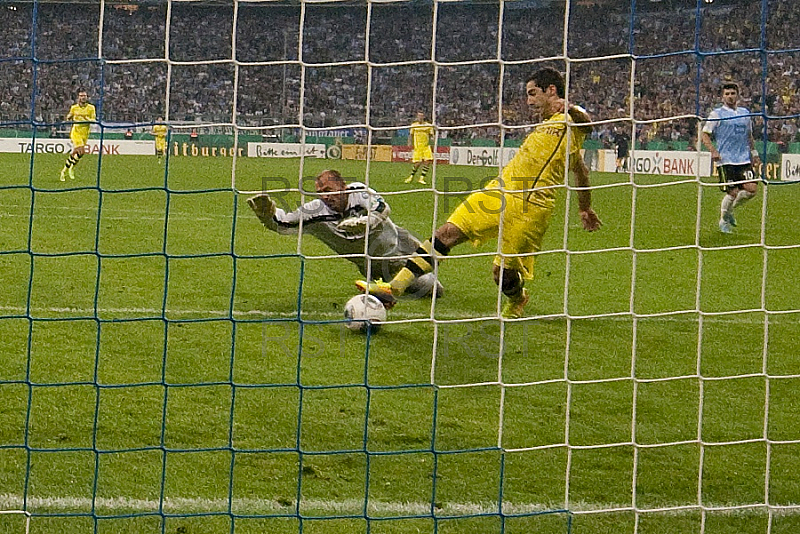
(730, 85)
(546, 77)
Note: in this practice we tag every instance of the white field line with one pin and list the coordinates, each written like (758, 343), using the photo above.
(157, 312)
(317, 315)
(90, 212)
(103, 506)
(145, 216)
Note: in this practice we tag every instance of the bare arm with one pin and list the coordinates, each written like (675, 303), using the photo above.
(755, 159)
(589, 218)
(706, 139)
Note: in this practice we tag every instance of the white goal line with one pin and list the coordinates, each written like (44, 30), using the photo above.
(246, 506)
(732, 317)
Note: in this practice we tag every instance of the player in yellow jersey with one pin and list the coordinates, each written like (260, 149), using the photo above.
(82, 116)
(420, 139)
(159, 131)
(521, 201)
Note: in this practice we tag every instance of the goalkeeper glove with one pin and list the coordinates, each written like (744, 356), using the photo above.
(264, 208)
(355, 226)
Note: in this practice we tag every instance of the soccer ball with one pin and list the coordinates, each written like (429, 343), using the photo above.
(365, 313)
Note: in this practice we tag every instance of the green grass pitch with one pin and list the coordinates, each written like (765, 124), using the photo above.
(154, 375)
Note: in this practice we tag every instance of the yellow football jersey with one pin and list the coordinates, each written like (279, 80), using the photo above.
(538, 166)
(421, 133)
(82, 117)
(160, 130)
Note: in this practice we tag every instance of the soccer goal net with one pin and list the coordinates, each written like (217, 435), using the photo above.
(168, 364)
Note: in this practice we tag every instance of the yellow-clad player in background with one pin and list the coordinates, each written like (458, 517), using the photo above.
(159, 131)
(420, 139)
(522, 201)
(82, 116)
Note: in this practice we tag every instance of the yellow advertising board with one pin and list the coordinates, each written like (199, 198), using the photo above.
(359, 152)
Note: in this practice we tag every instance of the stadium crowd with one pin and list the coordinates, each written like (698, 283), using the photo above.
(405, 56)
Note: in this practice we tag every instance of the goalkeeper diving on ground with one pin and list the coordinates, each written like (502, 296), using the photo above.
(349, 219)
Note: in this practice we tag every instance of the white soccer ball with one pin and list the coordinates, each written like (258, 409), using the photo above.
(365, 313)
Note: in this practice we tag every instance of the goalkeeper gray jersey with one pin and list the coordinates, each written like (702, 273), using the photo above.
(386, 239)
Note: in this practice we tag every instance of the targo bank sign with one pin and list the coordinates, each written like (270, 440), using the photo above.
(670, 163)
(26, 145)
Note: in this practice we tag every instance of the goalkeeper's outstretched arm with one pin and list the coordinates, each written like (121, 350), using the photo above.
(264, 208)
(347, 211)
(288, 222)
(278, 220)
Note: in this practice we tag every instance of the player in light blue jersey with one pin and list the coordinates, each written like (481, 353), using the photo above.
(734, 153)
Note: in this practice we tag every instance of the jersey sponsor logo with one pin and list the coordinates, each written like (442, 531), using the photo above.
(550, 130)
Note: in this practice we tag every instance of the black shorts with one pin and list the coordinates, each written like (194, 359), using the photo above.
(735, 173)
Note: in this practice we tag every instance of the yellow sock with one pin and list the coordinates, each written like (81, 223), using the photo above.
(417, 265)
(401, 281)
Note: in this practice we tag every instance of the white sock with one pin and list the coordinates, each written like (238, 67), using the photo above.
(742, 197)
(727, 204)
